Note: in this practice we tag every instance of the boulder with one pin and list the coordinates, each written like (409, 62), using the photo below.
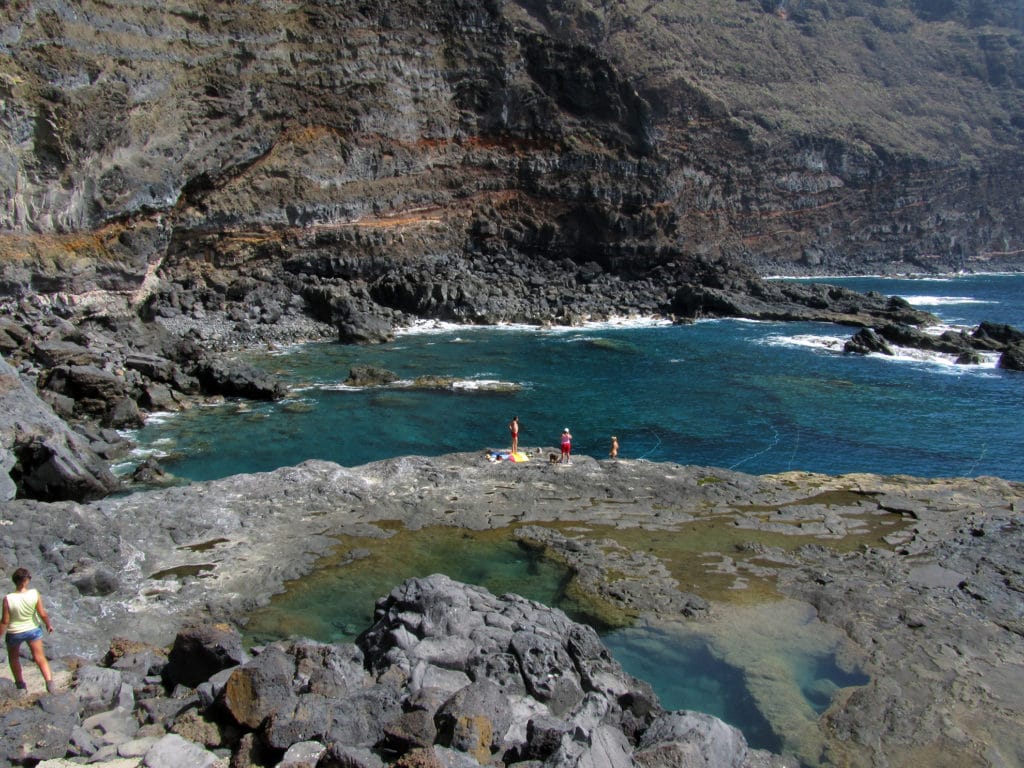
(159, 397)
(96, 387)
(548, 670)
(1001, 333)
(98, 688)
(29, 735)
(149, 471)
(866, 342)
(58, 467)
(969, 358)
(153, 367)
(364, 328)
(201, 650)
(475, 720)
(51, 354)
(303, 718)
(233, 378)
(369, 376)
(691, 740)
(358, 719)
(93, 579)
(40, 457)
(172, 751)
(261, 688)
(124, 413)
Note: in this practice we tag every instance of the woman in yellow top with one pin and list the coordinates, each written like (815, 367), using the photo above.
(19, 621)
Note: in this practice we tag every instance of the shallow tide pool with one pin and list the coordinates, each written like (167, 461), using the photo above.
(769, 668)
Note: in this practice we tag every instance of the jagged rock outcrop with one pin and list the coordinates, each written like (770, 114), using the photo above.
(40, 457)
(968, 348)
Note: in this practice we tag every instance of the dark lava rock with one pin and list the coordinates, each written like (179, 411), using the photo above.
(369, 376)
(236, 379)
(1000, 333)
(200, 651)
(1012, 358)
(865, 342)
(40, 457)
(364, 328)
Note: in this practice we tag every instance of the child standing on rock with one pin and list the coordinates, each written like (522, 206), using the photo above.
(566, 446)
(19, 621)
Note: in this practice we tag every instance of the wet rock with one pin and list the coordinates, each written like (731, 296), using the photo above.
(866, 342)
(1000, 333)
(149, 472)
(369, 376)
(236, 379)
(969, 358)
(1012, 358)
(364, 328)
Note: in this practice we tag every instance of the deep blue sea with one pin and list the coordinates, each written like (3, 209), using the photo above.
(752, 396)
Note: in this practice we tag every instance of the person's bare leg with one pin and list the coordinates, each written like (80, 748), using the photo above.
(36, 646)
(15, 663)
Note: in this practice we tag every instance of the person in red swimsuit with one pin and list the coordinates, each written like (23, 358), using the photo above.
(513, 428)
(566, 446)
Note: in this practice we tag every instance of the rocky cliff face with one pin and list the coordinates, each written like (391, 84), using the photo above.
(404, 150)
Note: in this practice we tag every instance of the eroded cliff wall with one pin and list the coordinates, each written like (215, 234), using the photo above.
(147, 144)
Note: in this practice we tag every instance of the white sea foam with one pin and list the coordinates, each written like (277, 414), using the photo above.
(835, 344)
(338, 387)
(160, 417)
(483, 385)
(807, 341)
(426, 327)
(940, 360)
(943, 301)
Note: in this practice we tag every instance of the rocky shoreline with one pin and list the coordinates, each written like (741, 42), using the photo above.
(74, 375)
(932, 607)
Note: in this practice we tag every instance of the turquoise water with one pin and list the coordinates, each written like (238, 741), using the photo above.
(756, 397)
(335, 603)
(685, 675)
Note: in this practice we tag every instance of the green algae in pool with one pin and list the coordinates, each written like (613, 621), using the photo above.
(335, 603)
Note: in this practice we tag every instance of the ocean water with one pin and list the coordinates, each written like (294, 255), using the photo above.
(752, 396)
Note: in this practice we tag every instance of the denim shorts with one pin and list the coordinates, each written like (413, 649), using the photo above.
(13, 638)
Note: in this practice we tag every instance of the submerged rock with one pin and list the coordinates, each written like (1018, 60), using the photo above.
(369, 376)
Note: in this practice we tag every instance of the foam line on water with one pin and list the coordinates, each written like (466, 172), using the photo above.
(774, 441)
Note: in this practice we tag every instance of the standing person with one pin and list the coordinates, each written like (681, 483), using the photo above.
(513, 428)
(566, 446)
(614, 452)
(19, 621)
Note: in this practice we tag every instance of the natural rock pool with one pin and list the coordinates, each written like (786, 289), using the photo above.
(768, 667)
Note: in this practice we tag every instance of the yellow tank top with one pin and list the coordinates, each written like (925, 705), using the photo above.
(22, 607)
